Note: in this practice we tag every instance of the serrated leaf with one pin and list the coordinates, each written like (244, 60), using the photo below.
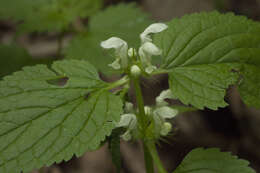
(13, 58)
(47, 15)
(212, 161)
(249, 88)
(203, 85)
(42, 123)
(200, 50)
(124, 20)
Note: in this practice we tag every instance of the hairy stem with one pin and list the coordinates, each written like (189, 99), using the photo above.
(152, 149)
(143, 123)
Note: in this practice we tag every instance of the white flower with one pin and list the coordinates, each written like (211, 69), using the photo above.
(166, 94)
(160, 115)
(165, 112)
(121, 51)
(146, 50)
(128, 121)
(152, 29)
(135, 71)
(166, 128)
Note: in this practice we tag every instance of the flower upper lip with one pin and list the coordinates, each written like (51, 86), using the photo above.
(146, 50)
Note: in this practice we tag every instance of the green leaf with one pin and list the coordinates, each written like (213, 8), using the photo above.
(205, 54)
(203, 85)
(250, 85)
(42, 122)
(13, 58)
(124, 20)
(47, 15)
(212, 161)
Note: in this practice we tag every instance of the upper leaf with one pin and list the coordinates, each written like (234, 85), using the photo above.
(205, 53)
(43, 120)
(47, 15)
(125, 21)
(13, 58)
(212, 161)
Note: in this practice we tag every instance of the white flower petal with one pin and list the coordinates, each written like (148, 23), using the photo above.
(147, 110)
(113, 42)
(166, 94)
(115, 65)
(135, 71)
(144, 57)
(151, 49)
(128, 120)
(166, 128)
(146, 51)
(121, 48)
(166, 112)
(131, 52)
(150, 69)
(129, 107)
(153, 28)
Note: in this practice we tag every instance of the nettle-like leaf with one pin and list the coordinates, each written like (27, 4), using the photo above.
(47, 15)
(48, 115)
(13, 58)
(206, 53)
(124, 20)
(212, 161)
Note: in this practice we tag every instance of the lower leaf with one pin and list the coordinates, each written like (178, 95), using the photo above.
(212, 161)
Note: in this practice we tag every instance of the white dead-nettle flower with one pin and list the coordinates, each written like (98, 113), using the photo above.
(160, 115)
(146, 50)
(121, 51)
(129, 122)
(166, 94)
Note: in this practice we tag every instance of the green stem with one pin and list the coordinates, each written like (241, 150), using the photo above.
(143, 124)
(140, 103)
(118, 83)
(152, 149)
(148, 160)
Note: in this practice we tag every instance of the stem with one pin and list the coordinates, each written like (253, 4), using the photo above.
(118, 83)
(143, 123)
(140, 104)
(148, 160)
(152, 149)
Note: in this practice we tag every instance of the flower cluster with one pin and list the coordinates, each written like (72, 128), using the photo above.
(158, 115)
(145, 52)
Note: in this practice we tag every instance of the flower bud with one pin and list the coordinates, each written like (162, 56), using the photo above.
(131, 52)
(147, 110)
(135, 71)
(166, 128)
